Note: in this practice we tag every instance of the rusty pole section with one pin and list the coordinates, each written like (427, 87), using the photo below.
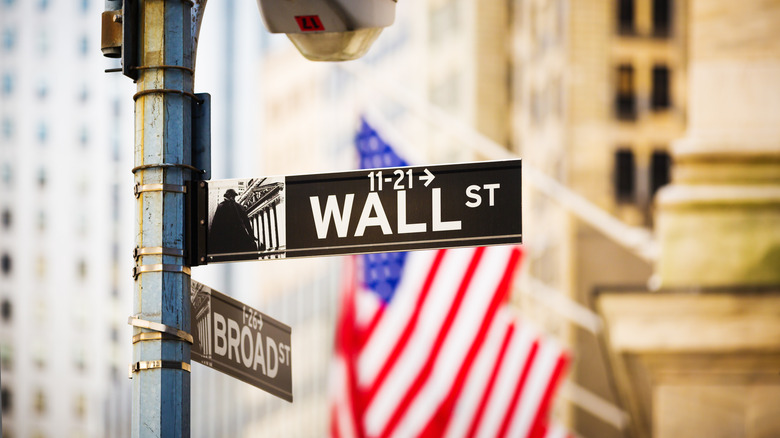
(161, 309)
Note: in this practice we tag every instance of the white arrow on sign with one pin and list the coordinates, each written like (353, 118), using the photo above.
(428, 177)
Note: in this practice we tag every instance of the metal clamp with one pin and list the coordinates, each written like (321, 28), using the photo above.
(174, 67)
(171, 188)
(155, 364)
(166, 166)
(153, 336)
(158, 327)
(142, 93)
(161, 267)
(157, 250)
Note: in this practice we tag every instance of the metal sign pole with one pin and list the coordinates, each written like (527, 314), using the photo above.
(161, 308)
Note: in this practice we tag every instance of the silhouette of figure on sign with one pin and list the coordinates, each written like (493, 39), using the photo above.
(231, 230)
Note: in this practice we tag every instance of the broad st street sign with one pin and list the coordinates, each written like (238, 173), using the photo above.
(374, 210)
(241, 342)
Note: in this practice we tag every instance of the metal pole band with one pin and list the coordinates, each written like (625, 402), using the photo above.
(172, 188)
(165, 166)
(153, 336)
(154, 364)
(157, 250)
(175, 67)
(160, 267)
(165, 91)
(162, 328)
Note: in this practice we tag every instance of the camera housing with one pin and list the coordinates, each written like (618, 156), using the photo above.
(329, 30)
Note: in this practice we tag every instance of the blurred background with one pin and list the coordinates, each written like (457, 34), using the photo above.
(650, 137)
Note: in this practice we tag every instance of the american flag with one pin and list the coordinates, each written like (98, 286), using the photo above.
(426, 346)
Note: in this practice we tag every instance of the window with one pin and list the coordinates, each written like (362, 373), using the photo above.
(81, 269)
(9, 39)
(6, 219)
(625, 17)
(41, 178)
(39, 401)
(660, 170)
(6, 174)
(662, 17)
(625, 171)
(6, 310)
(660, 98)
(625, 100)
(7, 399)
(6, 357)
(443, 21)
(84, 136)
(43, 89)
(8, 128)
(5, 264)
(7, 84)
(43, 132)
(84, 45)
(41, 221)
(80, 406)
(84, 94)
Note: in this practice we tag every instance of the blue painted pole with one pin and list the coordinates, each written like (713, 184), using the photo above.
(161, 381)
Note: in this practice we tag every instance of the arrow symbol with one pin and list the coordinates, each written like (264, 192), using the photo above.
(428, 177)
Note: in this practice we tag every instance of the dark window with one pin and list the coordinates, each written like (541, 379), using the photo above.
(7, 219)
(625, 99)
(661, 98)
(660, 170)
(625, 171)
(41, 178)
(625, 16)
(6, 398)
(8, 84)
(5, 264)
(662, 17)
(6, 310)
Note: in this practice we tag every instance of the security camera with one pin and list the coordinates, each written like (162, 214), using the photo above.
(329, 30)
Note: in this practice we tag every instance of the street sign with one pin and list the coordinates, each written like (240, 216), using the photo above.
(374, 210)
(239, 341)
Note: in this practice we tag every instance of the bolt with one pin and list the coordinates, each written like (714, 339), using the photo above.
(202, 184)
(203, 222)
(203, 259)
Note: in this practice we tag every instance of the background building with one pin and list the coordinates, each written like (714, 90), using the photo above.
(606, 101)
(65, 234)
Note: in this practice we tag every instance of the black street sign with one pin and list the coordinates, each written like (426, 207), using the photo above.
(241, 342)
(374, 210)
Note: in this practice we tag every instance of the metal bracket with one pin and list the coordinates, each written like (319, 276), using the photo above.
(171, 188)
(157, 250)
(142, 93)
(155, 364)
(197, 223)
(162, 328)
(161, 267)
(167, 166)
(153, 336)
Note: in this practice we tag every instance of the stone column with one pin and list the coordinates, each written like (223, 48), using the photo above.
(719, 220)
(700, 356)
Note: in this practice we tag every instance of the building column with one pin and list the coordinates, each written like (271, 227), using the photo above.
(719, 221)
(700, 355)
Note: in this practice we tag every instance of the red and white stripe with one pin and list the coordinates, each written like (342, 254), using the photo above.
(442, 358)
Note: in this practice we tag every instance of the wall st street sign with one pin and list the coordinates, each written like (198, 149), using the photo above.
(374, 210)
(239, 341)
